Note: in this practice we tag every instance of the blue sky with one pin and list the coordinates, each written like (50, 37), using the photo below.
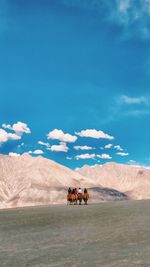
(75, 65)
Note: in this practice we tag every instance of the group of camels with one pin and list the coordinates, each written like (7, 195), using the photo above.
(77, 198)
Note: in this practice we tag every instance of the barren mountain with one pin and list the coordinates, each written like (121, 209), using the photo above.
(27, 180)
(30, 181)
(133, 181)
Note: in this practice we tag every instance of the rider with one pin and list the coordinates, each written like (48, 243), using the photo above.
(80, 191)
(75, 191)
(69, 190)
(85, 191)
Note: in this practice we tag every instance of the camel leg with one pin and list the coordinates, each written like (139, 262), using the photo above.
(80, 202)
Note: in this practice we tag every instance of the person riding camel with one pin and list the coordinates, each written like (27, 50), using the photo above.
(69, 190)
(80, 191)
(74, 196)
(75, 191)
(85, 191)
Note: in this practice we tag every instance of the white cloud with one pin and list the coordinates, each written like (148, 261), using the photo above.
(135, 164)
(62, 147)
(108, 146)
(104, 156)
(133, 100)
(4, 136)
(118, 147)
(122, 154)
(19, 127)
(85, 156)
(83, 147)
(125, 106)
(123, 6)
(92, 133)
(43, 144)
(61, 136)
(93, 156)
(37, 152)
(69, 158)
(12, 154)
(133, 16)
(131, 161)
(12, 136)
(21, 145)
(6, 126)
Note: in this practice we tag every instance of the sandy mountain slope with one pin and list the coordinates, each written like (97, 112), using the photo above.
(27, 180)
(30, 181)
(134, 181)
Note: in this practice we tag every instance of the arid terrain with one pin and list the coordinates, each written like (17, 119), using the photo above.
(110, 233)
(134, 181)
(32, 181)
(113, 234)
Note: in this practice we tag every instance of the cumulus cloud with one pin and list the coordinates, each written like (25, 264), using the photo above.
(83, 147)
(122, 154)
(85, 156)
(104, 156)
(19, 127)
(61, 136)
(133, 100)
(12, 136)
(118, 147)
(36, 152)
(108, 146)
(4, 136)
(93, 156)
(6, 126)
(12, 154)
(92, 133)
(62, 147)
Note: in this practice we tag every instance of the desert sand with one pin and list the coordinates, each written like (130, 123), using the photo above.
(108, 234)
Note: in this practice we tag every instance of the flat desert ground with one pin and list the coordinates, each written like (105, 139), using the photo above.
(107, 234)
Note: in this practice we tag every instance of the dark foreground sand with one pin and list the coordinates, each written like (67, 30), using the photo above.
(108, 234)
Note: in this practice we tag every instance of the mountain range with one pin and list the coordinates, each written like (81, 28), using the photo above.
(134, 181)
(31, 181)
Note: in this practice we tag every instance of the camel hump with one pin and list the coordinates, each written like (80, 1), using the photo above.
(86, 195)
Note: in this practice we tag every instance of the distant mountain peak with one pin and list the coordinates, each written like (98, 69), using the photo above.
(121, 177)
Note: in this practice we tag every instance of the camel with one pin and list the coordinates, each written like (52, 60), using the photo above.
(74, 198)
